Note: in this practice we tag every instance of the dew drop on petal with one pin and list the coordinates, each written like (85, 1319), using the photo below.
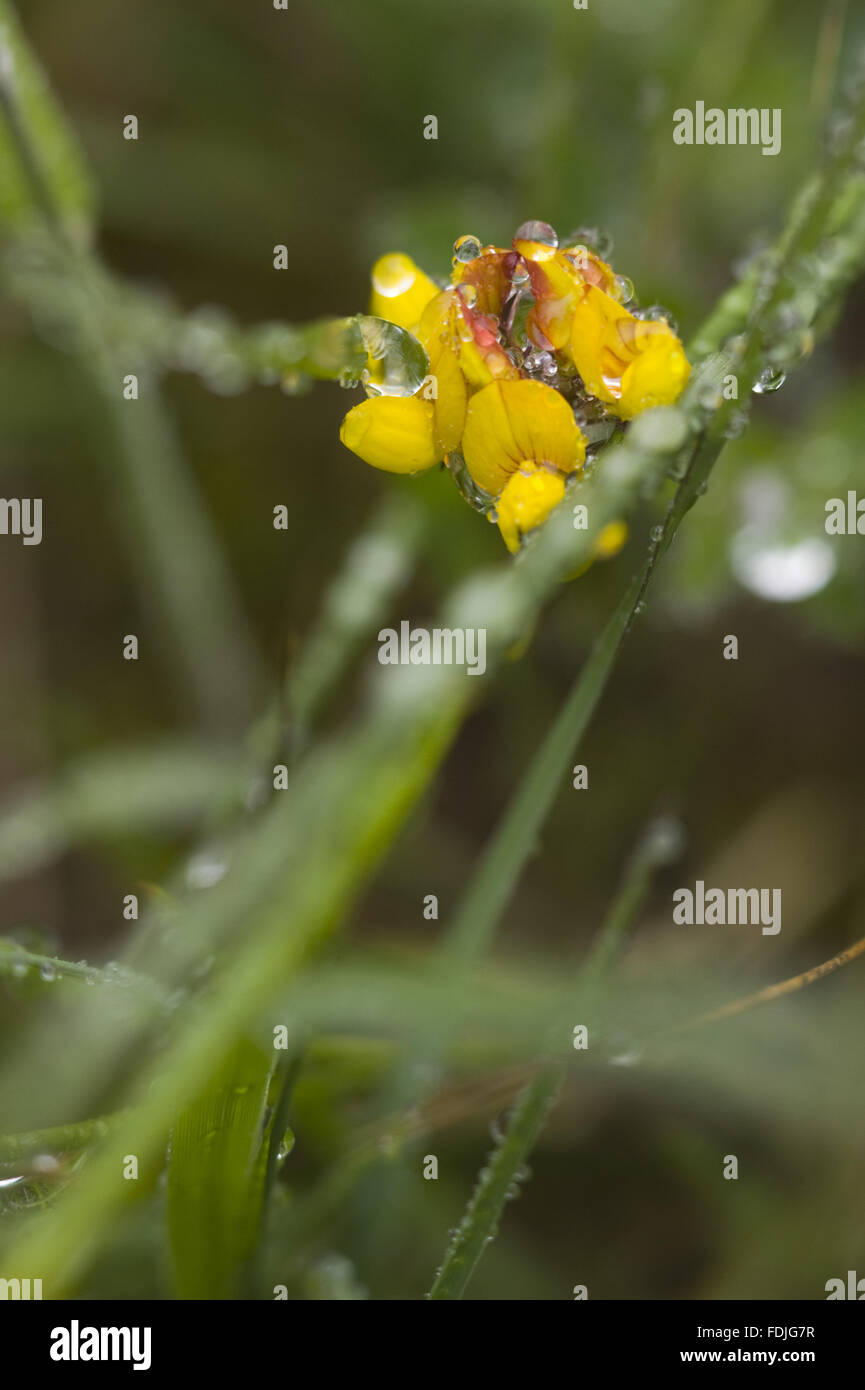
(593, 239)
(656, 313)
(624, 289)
(537, 231)
(466, 248)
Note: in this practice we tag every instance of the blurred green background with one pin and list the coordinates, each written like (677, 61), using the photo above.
(305, 127)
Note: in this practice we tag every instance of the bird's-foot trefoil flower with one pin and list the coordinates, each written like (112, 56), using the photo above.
(537, 355)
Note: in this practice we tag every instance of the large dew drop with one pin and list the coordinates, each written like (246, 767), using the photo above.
(396, 362)
(466, 248)
(537, 231)
(598, 242)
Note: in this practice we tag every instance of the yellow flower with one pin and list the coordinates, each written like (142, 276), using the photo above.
(519, 443)
(629, 363)
(504, 384)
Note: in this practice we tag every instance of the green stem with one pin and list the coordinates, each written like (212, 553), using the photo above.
(500, 1178)
(497, 1182)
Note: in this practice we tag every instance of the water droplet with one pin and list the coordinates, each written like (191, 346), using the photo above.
(204, 967)
(770, 379)
(640, 609)
(593, 239)
(657, 533)
(778, 569)
(396, 361)
(665, 840)
(205, 869)
(466, 248)
(626, 1059)
(469, 295)
(295, 383)
(656, 313)
(520, 276)
(624, 289)
(286, 1144)
(47, 970)
(20, 968)
(736, 426)
(537, 231)
(709, 395)
(44, 1164)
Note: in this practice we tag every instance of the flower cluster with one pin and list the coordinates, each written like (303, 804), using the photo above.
(534, 358)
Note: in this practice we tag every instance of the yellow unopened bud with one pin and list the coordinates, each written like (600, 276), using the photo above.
(400, 290)
(392, 432)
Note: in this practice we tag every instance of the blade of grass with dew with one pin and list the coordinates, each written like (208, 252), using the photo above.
(36, 130)
(500, 1178)
(162, 786)
(216, 1176)
(378, 564)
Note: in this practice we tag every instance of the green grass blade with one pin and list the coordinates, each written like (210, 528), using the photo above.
(216, 1176)
(42, 169)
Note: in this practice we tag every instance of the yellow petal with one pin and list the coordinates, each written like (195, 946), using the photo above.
(392, 432)
(437, 333)
(626, 362)
(526, 502)
(599, 352)
(451, 397)
(556, 284)
(400, 290)
(510, 423)
(656, 377)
